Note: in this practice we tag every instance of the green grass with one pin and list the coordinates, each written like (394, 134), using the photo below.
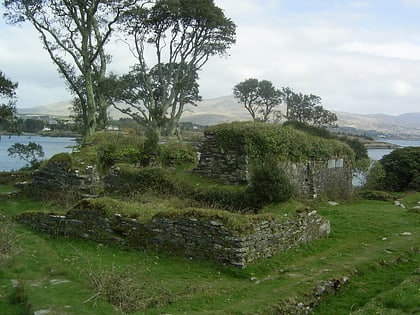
(366, 244)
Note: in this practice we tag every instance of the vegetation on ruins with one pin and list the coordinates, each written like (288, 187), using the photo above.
(284, 143)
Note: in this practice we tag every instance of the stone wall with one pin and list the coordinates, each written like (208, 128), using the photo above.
(190, 236)
(331, 177)
(230, 167)
(59, 176)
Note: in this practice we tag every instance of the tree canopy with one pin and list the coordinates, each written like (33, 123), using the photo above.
(7, 109)
(307, 109)
(74, 33)
(260, 99)
(172, 41)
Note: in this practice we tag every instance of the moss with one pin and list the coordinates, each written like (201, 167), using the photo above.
(239, 223)
(284, 142)
(110, 207)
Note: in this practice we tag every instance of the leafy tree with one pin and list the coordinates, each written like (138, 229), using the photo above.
(402, 169)
(8, 109)
(260, 99)
(173, 40)
(246, 93)
(307, 109)
(28, 152)
(74, 33)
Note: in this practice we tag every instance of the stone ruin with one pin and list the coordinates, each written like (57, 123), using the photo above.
(331, 177)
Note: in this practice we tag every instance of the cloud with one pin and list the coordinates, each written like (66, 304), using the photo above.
(397, 49)
(358, 56)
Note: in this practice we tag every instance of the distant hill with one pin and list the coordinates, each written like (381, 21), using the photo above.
(227, 109)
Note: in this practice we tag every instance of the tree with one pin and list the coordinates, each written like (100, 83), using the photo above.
(260, 99)
(246, 93)
(74, 33)
(173, 40)
(7, 110)
(28, 152)
(307, 109)
(402, 169)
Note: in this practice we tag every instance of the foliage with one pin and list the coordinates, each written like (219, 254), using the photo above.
(108, 148)
(285, 143)
(376, 195)
(9, 246)
(260, 99)
(7, 87)
(7, 110)
(402, 169)
(227, 197)
(128, 290)
(30, 152)
(177, 154)
(268, 184)
(74, 34)
(183, 34)
(366, 246)
(307, 109)
(242, 224)
(130, 179)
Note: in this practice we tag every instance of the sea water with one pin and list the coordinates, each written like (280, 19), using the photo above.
(50, 146)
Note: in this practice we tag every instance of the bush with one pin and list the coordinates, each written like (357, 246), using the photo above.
(105, 149)
(228, 197)
(402, 169)
(177, 154)
(126, 179)
(127, 290)
(375, 179)
(268, 184)
(376, 195)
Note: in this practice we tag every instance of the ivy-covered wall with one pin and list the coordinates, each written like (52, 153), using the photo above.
(314, 165)
(219, 236)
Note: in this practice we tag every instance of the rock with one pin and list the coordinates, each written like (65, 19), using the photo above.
(333, 203)
(405, 234)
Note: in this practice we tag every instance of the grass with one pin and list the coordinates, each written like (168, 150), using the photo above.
(369, 244)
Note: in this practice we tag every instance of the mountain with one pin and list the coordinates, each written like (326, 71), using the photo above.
(227, 109)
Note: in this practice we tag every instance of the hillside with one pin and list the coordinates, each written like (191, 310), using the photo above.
(227, 109)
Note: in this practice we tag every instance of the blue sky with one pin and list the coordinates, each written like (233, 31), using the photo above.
(359, 56)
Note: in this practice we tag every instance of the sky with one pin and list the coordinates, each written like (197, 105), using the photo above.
(359, 56)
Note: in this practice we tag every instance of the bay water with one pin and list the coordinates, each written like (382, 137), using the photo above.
(50, 146)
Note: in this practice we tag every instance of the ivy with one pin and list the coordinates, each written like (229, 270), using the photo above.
(286, 143)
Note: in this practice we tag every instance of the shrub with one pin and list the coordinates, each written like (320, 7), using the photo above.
(126, 179)
(105, 149)
(127, 290)
(402, 169)
(375, 178)
(376, 195)
(268, 184)
(263, 140)
(9, 247)
(177, 154)
(228, 197)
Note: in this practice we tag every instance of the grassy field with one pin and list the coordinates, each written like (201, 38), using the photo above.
(374, 245)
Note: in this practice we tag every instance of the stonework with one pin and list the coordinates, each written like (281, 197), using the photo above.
(331, 177)
(58, 176)
(190, 236)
